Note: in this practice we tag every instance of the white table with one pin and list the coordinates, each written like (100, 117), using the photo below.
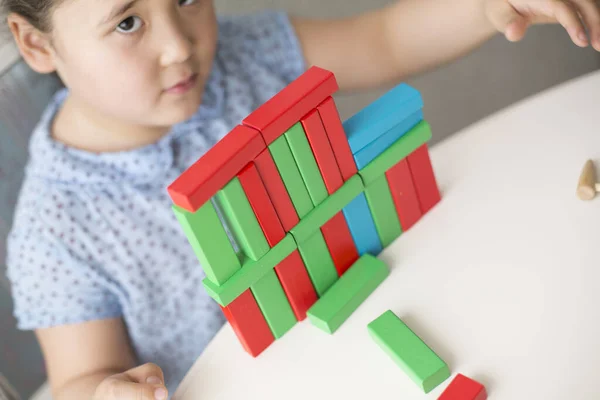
(501, 279)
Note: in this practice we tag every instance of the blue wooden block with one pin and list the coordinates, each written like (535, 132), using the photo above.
(382, 115)
(362, 227)
(379, 145)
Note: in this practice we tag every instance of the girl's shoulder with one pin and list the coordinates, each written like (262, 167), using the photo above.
(265, 39)
(258, 54)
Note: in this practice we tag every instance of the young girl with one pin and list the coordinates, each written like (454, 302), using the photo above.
(99, 266)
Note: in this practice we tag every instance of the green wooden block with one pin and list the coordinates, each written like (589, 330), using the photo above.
(290, 174)
(417, 136)
(274, 304)
(240, 217)
(348, 293)
(210, 242)
(250, 273)
(307, 164)
(318, 262)
(328, 209)
(383, 210)
(417, 360)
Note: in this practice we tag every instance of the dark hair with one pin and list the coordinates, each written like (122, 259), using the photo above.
(37, 12)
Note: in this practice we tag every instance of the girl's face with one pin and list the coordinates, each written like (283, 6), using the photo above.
(142, 61)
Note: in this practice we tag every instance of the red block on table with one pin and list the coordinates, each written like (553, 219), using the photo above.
(249, 324)
(424, 180)
(276, 189)
(286, 108)
(321, 148)
(296, 284)
(216, 168)
(337, 138)
(340, 243)
(261, 204)
(463, 388)
(404, 194)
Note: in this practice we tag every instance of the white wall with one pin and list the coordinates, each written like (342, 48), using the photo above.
(8, 53)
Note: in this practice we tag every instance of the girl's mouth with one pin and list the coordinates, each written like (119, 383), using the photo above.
(184, 85)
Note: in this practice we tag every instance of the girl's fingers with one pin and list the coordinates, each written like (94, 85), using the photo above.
(116, 389)
(517, 29)
(514, 20)
(566, 15)
(590, 12)
(506, 19)
(144, 372)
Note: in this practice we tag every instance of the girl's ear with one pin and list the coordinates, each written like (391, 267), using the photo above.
(34, 45)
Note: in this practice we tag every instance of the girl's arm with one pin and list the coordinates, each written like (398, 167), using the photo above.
(389, 44)
(408, 37)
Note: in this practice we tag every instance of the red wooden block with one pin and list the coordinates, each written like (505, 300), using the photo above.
(286, 108)
(276, 189)
(463, 388)
(340, 243)
(317, 137)
(296, 284)
(404, 194)
(261, 204)
(421, 169)
(213, 170)
(337, 138)
(249, 324)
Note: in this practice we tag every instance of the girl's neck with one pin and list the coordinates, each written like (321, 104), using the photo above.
(79, 126)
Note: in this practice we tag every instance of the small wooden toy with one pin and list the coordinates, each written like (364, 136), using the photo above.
(408, 351)
(588, 185)
(464, 388)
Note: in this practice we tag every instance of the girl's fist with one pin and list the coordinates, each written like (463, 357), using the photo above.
(145, 382)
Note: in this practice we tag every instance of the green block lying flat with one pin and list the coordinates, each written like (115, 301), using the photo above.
(348, 293)
(274, 304)
(240, 217)
(417, 360)
(210, 242)
(290, 174)
(318, 262)
(307, 164)
(383, 210)
(418, 135)
(250, 273)
(327, 209)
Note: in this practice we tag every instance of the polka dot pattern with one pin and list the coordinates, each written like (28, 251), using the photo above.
(94, 236)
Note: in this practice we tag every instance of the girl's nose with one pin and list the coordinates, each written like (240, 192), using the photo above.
(176, 45)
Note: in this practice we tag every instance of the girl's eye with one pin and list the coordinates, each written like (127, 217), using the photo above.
(186, 2)
(129, 25)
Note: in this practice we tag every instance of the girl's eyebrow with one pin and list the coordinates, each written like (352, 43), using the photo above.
(118, 10)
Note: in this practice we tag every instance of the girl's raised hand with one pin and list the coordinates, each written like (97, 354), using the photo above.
(513, 17)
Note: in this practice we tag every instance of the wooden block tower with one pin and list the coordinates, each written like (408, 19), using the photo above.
(286, 203)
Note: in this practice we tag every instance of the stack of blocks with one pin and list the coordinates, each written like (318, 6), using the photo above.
(287, 212)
